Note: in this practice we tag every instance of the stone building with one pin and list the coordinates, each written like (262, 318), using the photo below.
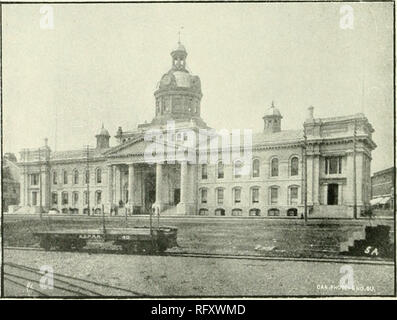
(121, 176)
(383, 188)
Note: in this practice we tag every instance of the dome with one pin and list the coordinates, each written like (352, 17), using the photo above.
(179, 47)
(103, 132)
(273, 112)
(183, 79)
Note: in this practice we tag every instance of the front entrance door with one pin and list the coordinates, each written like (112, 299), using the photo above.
(332, 194)
(177, 196)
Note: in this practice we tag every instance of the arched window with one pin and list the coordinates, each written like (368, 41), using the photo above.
(273, 212)
(294, 166)
(292, 212)
(98, 197)
(237, 167)
(54, 178)
(87, 176)
(221, 173)
(255, 212)
(75, 198)
(237, 212)
(65, 197)
(255, 168)
(204, 173)
(65, 177)
(255, 195)
(220, 195)
(220, 212)
(75, 177)
(274, 167)
(203, 212)
(54, 198)
(85, 197)
(203, 195)
(273, 195)
(237, 195)
(98, 174)
(293, 194)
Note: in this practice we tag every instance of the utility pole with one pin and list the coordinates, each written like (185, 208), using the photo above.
(305, 172)
(354, 172)
(87, 178)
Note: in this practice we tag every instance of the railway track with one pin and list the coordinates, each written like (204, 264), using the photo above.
(28, 278)
(338, 259)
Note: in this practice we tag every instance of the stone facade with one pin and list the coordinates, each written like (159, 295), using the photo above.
(121, 180)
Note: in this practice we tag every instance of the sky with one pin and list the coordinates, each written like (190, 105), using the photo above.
(101, 64)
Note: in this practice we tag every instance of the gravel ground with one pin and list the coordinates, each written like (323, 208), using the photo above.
(189, 276)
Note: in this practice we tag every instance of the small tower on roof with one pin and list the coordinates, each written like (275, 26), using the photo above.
(102, 138)
(272, 120)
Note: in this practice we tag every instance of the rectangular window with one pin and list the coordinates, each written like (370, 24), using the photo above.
(333, 165)
(65, 198)
(237, 195)
(34, 179)
(203, 195)
(220, 171)
(85, 198)
(255, 195)
(220, 196)
(294, 195)
(75, 198)
(54, 178)
(65, 177)
(55, 198)
(204, 173)
(87, 177)
(34, 198)
(98, 197)
(273, 195)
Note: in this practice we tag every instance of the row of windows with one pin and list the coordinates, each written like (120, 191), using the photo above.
(255, 212)
(254, 195)
(75, 198)
(76, 176)
(255, 169)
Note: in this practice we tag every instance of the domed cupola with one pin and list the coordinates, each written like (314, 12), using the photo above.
(102, 138)
(272, 120)
(178, 94)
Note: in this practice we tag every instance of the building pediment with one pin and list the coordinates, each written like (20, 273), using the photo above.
(132, 147)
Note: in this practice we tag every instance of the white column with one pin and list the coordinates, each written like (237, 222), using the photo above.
(131, 188)
(110, 186)
(340, 200)
(325, 193)
(184, 184)
(159, 186)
